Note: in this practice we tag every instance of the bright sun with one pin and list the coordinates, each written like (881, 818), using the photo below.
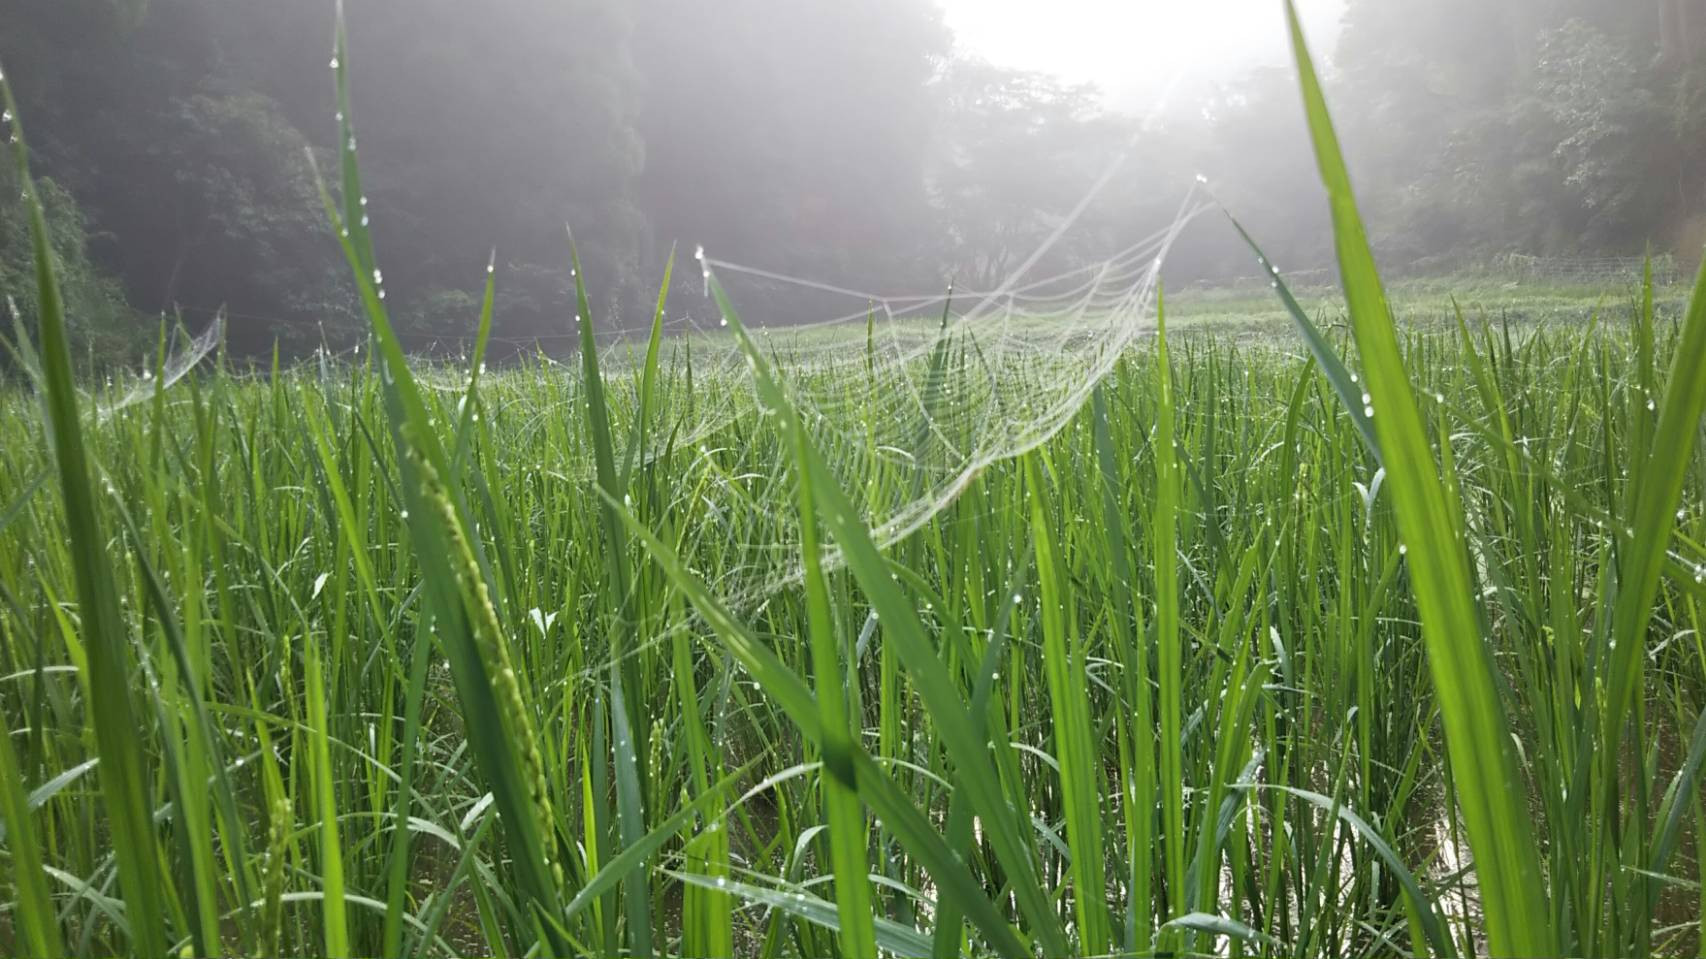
(1135, 49)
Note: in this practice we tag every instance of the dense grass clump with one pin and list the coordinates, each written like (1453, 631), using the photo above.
(1387, 646)
(269, 595)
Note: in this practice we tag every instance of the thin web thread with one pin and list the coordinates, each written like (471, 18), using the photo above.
(910, 401)
(179, 362)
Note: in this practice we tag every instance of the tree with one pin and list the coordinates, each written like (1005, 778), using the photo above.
(1534, 124)
(499, 125)
(1015, 152)
(199, 194)
(100, 320)
(792, 135)
(1607, 124)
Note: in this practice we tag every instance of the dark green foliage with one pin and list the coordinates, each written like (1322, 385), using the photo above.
(98, 319)
(847, 144)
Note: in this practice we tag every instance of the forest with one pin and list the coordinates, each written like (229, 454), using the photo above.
(816, 139)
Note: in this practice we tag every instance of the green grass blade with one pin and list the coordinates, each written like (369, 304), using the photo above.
(476, 368)
(1137, 761)
(1676, 800)
(848, 837)
(1169, 659)
(203, 745)
(893, 938)
(334, 920)
(1203, 922)
(455, 583)
(902, 629)
(630, 811)
(440, 905)
(1431, 921)
(37, 922)
(1659, 479)
(634, 856)
(1489, 783)
(793, 697)
(123, 774)
(649, 389)
(1343, 381)
(1069, 700)
(959, 828)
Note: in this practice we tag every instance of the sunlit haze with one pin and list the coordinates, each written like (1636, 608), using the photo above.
(1134, 49)
(1233, 442)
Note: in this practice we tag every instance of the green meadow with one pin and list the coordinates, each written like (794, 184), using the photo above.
(1338, 624)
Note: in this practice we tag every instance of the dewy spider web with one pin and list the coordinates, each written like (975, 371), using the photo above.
(908, 397)
(186, 353)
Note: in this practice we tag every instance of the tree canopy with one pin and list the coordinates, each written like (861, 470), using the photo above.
(846, 142)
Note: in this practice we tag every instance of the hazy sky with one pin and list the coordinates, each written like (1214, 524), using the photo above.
(1133, 48)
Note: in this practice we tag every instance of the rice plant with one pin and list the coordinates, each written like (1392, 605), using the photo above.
(1381, 646)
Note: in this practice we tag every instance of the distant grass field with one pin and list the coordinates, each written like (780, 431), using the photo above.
(1422, 302)
(1353, 637)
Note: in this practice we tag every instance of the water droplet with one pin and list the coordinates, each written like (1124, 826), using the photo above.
(364, 220)
(1403, 550)
(364, 201)
(350, 144)
(723, 322)
(378, 278)
(1651, 405)
(5, 116)
(334, 63)
(382, 294)
(405, 514)
(1353, 378)
(1202, 178)
(1366, 399)
(1368, 411)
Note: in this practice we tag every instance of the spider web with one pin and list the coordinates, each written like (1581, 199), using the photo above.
(909, 397)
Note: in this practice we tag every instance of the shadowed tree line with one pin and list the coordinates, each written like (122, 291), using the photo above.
(845, 142)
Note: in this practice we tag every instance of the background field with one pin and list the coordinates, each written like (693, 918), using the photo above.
(268, 510)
